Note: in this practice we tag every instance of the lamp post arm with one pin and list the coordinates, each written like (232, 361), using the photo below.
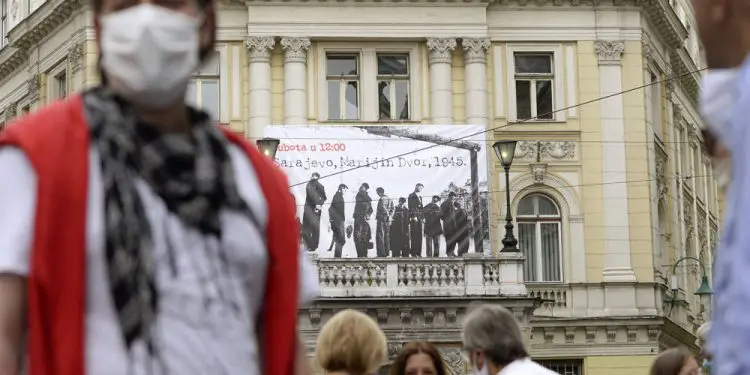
(700, 262)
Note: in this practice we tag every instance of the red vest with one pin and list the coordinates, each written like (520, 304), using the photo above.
(56, 141)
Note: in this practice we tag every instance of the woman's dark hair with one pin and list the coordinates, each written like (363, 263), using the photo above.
(710, 142)
(670, 362)
(416, 347)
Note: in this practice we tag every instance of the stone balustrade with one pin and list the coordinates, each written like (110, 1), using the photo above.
(471, 275)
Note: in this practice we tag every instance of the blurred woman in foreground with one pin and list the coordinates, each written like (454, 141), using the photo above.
(675, 361)
(351, 343)
(418, 358)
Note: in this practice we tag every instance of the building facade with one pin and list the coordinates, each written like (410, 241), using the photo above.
(609, 188)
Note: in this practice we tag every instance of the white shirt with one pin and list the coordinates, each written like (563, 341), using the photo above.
(525, 367)
(208, 310)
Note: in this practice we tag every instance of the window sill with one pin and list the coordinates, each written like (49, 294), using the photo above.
(363, 122)
(522, 122)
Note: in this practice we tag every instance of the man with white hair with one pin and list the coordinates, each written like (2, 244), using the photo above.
(493, 342)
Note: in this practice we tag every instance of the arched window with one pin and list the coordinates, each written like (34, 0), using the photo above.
(539, 228)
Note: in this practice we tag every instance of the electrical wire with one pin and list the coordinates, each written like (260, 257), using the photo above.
(507, 124)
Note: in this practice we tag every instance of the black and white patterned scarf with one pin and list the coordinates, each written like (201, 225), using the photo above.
(193, 175)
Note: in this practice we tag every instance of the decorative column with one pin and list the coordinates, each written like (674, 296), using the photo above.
(295, 80)
(259, 48)
(617, 263)
(475, 57)
(441, 79)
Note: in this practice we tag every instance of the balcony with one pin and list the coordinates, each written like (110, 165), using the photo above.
(472, 275)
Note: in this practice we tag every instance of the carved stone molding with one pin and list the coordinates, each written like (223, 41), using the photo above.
(702, 233)
(441, 50)
(406, 316)
(429, 316)
(475, 50)
(314, 317)
(382, 316)
(32, 85)
(647, 49)
(454, 360)
(76, 57)
(260, 48)
(538, 170)
(549, 335)
(611, 334)
(393, 349)
(609, 52)
(540, 151)
(632, 334)
(688, 215)
(590, 334)
(295, 49)
(661, 177)
(570, 335)
(11, 111)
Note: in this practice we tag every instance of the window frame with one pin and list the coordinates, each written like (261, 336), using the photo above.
(52, 76)
(537, 220)
(368, 78)
(392, 79)
(558, 80)
(656, 112)
(343, 81)
(220, 78)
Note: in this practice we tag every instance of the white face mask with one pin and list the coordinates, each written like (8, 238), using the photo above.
(485, 370)
(718, 99)
(149, 53)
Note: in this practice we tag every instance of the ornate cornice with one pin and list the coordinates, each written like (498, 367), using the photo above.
(609, 52)
(666, 22)
(11, 59)
(684, 67)
(295, 49)
(43, 22)
(441, 50)
(475, 50)
(260, 48)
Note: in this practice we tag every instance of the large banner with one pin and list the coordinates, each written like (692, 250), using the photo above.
(388, 191)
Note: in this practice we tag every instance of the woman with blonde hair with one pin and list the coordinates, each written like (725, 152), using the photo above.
(675, 361)
(351, 343)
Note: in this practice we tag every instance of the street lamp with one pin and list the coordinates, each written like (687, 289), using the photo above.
(505, 151)
(268, 146)
(704, 291)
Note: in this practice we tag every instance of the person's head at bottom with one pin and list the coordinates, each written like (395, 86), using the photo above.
(675, 361)
(351, 343)
(150, 48)
(492, 339)
(418, 358)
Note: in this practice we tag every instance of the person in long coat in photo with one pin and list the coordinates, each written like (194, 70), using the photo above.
(447, 213)
(337, 217)
(400, 230)
(416, 221)
(383, 216)
(362, 230)
(432, 227)
(463, 229)
(314, 198)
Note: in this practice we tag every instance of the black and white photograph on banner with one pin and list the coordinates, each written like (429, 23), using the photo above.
(362, 191)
